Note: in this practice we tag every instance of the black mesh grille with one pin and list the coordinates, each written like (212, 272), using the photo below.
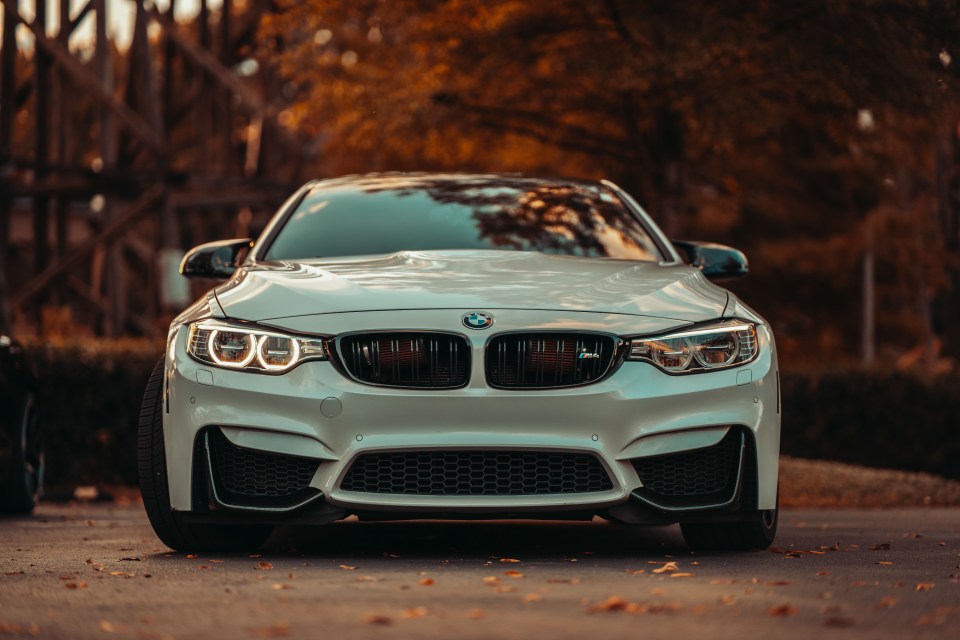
(428, 360)
(476, 473)
(548, 360)
(252, 477)
(699, 474)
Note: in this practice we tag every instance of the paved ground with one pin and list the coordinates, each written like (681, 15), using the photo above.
(96, 571)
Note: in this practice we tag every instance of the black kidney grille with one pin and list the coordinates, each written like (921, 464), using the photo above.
(476, 473)
(246, 473)
(428, 360)
(704, 472)
(548, 360)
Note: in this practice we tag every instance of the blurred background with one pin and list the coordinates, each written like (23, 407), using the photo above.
(821, 137)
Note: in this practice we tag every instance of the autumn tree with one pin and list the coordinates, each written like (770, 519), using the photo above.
(805, 132)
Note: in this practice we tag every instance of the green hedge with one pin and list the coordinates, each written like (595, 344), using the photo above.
(90, 397)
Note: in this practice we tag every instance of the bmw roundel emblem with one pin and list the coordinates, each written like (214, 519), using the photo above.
(477, 320)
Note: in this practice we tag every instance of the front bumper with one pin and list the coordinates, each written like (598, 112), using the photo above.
(314, 412)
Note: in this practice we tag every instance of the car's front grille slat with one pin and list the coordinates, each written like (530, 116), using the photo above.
(476, 473)
(549, 360)
(406, 359)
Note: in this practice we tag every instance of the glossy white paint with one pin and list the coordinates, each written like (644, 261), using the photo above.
(465, 279)
(638, 403)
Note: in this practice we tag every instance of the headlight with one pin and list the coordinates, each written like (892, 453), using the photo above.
(234, 346)
(728, 344)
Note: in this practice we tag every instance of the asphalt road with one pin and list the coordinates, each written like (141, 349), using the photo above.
(96, 571)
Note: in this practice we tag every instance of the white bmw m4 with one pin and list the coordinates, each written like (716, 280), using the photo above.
(458, 346)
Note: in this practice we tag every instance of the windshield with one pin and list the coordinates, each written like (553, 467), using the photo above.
(390, 214)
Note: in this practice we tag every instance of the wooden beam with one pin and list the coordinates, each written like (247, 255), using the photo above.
(41, 149)
(87, 81)
(8, 88)
(249, 100)
(118, 224)
(77, 19)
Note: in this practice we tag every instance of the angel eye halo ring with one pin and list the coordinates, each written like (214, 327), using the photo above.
(726, 344)
(237, 346)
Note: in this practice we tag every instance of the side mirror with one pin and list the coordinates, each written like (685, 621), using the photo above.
(716, 261)
(214, 259)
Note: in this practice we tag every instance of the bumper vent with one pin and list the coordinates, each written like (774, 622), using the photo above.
(476, 473)
(691, 478)
(247, 478)
(410, 360)
(549, 360)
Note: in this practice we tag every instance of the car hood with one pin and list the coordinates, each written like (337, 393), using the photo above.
(470, 280)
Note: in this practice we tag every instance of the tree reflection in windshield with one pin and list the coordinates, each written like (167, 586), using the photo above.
(397, 212)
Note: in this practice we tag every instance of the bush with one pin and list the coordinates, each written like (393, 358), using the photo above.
(90, 395)
(879, 419)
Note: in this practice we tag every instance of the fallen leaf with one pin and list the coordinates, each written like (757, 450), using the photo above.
(76, 585)
(722, 581)
(416, 612)
(636, 572)
(682, 575)
(476, 614)
(782, 611)
(279, 586)
(727, 600)
(513, 574)
(667, 567)
(107, 627)
(425, 582)
(924, 586)
(613, 603)
(263, 566)
(190, 556)
(378, 619)
(347, 567)
(793, 555)
(509, 560)
(888, 602)
(367, 579)
(532, 597)
(491, 580)
(883, 562)
(505, 589)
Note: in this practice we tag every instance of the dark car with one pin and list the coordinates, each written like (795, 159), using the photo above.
(21, 454)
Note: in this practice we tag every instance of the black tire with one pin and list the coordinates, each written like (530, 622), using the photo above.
(754, 534)
(169, 525)
(25, 483)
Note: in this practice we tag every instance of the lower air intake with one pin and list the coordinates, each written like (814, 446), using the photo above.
(477, 473)
(695, 477)
(249, 478)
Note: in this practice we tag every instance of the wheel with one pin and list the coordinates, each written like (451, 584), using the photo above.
(168, 524)
(733, 536)
(25, 483)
